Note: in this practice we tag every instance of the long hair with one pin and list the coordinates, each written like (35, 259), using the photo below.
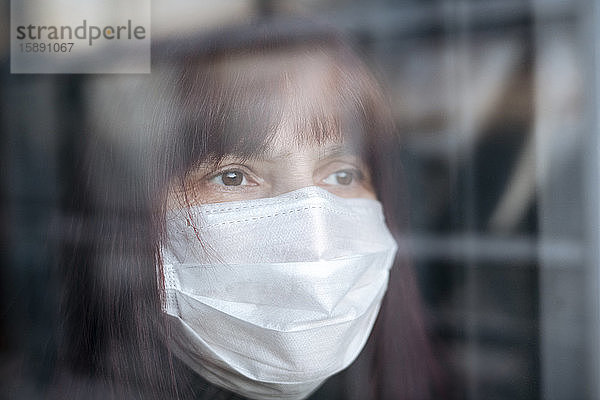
(143, 137)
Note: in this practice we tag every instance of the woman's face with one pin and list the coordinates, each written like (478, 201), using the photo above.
(301, 82)
(278, 274)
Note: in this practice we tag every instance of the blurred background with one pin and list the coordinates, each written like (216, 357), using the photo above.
(497, 102)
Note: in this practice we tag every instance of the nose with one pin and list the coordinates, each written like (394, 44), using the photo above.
(294, 173)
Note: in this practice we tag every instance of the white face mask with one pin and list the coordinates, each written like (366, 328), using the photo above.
(270, 297)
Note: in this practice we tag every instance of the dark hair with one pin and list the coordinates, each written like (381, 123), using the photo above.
(152, 132)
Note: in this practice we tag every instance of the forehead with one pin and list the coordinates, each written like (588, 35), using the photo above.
(249, 102)
(289, 96)
(284, 144)
(285, 80)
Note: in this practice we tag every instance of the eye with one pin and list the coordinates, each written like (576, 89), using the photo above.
(230, 178)
(344, 177)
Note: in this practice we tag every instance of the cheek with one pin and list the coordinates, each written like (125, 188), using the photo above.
(210, 193)
(209, 196)
(358, 191)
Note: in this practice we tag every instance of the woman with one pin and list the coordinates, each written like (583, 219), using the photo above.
(229, 240)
